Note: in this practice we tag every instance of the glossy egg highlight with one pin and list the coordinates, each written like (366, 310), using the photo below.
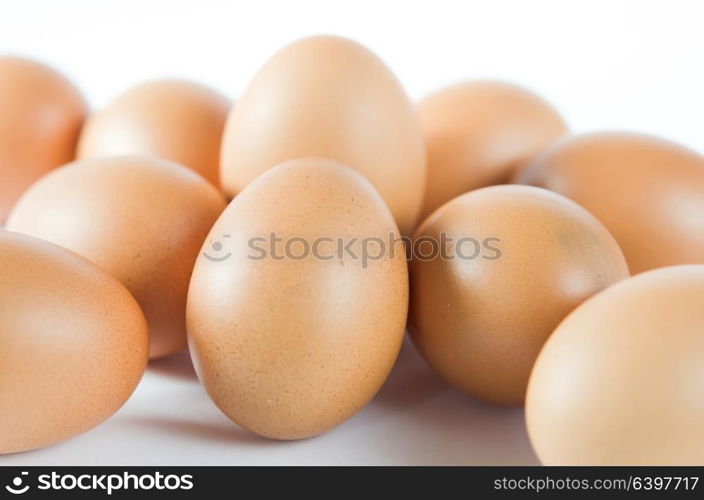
(494, 272)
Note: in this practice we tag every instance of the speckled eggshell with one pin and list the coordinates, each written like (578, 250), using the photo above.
(141, 219)
(329, 97)
(177, 120)
(41, 114)
(481, 320)
(290, 348)
(73, 344)
(647, 191)
(477, 133)
(621, 381)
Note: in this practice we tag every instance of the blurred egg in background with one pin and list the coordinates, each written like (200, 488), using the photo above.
(41, 114)
(330, 97)
(648, 191)
(477, 133)
(176, 120)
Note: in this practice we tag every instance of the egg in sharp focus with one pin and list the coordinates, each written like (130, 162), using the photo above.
(290, 343)
(647, 191)
(41, 114)
(177, 120)
(478, 133)
(73, 344)
(329, 97)
(621, 381)
(494, 271)
(142, 219)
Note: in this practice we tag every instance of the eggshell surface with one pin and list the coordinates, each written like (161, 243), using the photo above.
(647, 191)
(329, 97)
(141, 219)
(173, 119)
(41, 114)
(289, 344)
(621, 380)
(477, 133)
(517, 260)
(73, 344)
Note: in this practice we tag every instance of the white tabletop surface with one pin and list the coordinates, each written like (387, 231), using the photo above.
(416, 419)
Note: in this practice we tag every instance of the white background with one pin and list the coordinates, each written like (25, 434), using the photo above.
(636, 65)
(605, 64)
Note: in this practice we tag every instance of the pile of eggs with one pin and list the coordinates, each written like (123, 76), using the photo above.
(511, 244)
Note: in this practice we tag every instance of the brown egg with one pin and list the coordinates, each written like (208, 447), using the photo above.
(647, 191)
(508, 264)
(73, 344)
(290, 333)
(477, 133)
(41, 114)
(621, 380)
(329, 97)
(172, 119)
(141, 219)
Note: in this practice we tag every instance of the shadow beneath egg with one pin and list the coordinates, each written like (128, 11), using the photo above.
(467, 430)
(444, 426)
(220, 433)
(178, 365)
(410, 382)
